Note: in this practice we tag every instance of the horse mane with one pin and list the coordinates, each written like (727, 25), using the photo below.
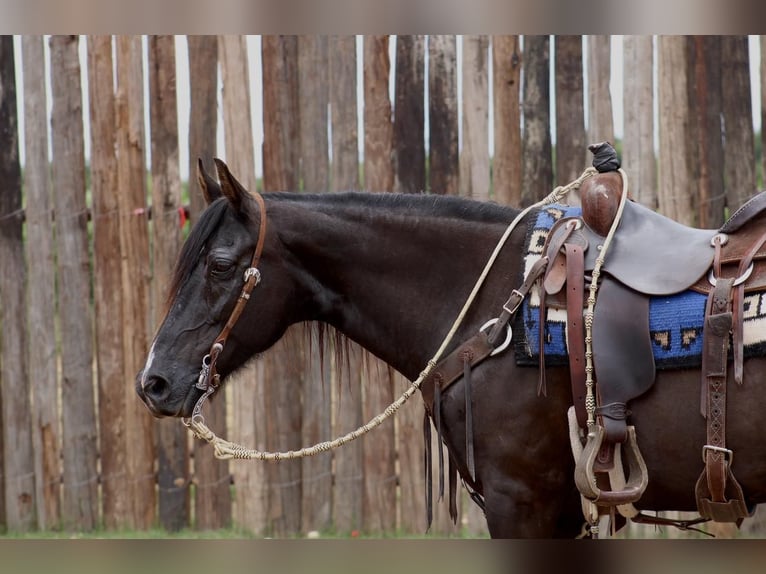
(194, 244)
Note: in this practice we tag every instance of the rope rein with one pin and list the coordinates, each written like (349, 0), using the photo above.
(224, 449)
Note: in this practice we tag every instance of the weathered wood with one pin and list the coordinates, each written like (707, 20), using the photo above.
(313, 100)
(251, 488)
(506, 82)
(739, 146)
(347, 383)
(443, 115)
(410, 177)
(600, 120)
(139, 482)
(18, 458)
(379, 449)
(80, 501)
(282, 364)
(674, 192)
(41, 294)
(409, 115)
(707, 142)
(638, 158)
(474, 157)
(107, 282)
(571, 147)
(203, 119)
(172, 445)
(212, 479)
(537, 165)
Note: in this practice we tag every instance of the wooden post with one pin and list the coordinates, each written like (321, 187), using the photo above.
(674, 190)
(282, 365)
(537, 163)
(251, 489)
(212, 479)
(347, 383)
(442, 115)
(139, 484)
(313, 100)
(41, 295)
(107, 283)
(638, 158)
(18, 458)
(739, 147)
(80, 500)
(706, 139)
(172, 447)
(600, 121)
(506, 164)
(762, 39)
(474, 158)
(379, 449)
(571, 147)
(410, 177)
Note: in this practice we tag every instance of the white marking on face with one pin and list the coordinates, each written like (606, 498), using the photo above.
(148, 364)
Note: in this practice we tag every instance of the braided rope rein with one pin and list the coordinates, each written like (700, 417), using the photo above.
(224, 449)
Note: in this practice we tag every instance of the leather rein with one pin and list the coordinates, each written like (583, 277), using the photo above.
(209, 379)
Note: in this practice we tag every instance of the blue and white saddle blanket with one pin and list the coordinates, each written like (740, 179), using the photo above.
(675, 321)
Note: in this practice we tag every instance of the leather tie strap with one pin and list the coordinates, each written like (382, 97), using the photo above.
(575, 329)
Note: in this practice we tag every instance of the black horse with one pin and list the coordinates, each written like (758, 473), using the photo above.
(391, 272)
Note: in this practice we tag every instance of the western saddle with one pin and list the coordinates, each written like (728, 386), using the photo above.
(627, 253)
(649, 255)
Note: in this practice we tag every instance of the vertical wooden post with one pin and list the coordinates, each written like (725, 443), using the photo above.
(706, 139)
(107, 283)
(600, 121)
(139, 486)
(442, 115)
(739, 147)
(762, 40)
(379, 450)
(80, 508)
(474, 157)
(506, 76)
(18, 458)
(41, 301)
(313, 100)
(282, 365)
(674, 191)
(410, 177)
(638, 158)
(212, 479)
(537, 163)
(172, 447)
(251, 489)
(571, 147)
(347, 386)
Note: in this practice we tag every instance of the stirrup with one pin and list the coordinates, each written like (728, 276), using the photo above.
(585, 477)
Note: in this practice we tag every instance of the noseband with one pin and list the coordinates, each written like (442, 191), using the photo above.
(208, 377)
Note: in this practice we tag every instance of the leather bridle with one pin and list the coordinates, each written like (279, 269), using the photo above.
(208, 377)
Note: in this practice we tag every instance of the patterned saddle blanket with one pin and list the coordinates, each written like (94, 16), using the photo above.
(675, 321)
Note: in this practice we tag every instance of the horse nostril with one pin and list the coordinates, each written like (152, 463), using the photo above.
(156, 388)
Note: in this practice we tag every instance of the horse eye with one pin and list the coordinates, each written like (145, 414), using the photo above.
(220, 266)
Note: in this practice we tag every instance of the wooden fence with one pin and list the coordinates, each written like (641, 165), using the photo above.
(84, 268)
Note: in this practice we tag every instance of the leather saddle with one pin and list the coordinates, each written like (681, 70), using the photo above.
(651, 255)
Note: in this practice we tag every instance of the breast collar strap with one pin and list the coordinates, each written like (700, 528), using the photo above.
(208, 375)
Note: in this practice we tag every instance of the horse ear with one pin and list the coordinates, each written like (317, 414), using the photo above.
(211, 190)
(234, 191)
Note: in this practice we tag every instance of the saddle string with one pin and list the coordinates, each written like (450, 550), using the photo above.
(224, 449)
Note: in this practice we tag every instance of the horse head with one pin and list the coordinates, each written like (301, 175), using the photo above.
(216, 261)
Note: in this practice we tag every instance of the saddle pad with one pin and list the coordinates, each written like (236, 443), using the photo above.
(675, 321)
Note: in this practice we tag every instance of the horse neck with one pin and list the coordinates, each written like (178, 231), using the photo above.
(392, 276)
